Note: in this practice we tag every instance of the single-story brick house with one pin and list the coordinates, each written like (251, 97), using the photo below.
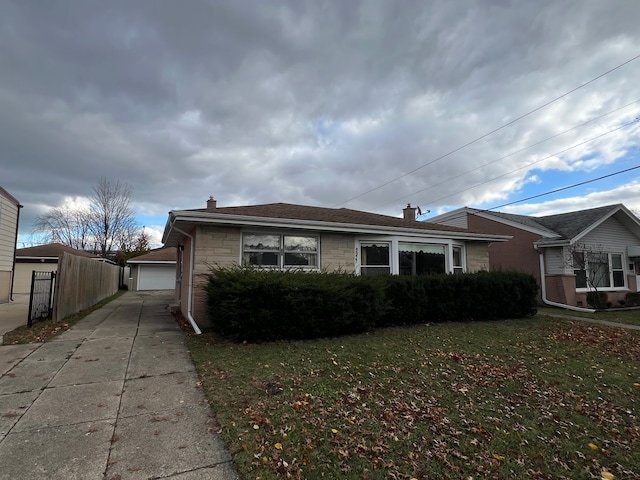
(570, 254)
(282, 235)
(155, 270)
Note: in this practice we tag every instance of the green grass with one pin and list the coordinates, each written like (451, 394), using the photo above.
(630, 316)
(537, 398)
(44, 330)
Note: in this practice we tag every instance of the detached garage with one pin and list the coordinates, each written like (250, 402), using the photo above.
(41, 258)
(155, 270)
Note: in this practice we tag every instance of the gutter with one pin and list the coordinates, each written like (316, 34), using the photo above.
(190, 284)
(13, 270)
(543, 287)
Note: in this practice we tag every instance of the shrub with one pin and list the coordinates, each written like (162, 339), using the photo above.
(441, 298)
(632, 299)
(598, 300)
(260, 305)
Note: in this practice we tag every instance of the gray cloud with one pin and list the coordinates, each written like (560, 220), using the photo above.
(308, 102)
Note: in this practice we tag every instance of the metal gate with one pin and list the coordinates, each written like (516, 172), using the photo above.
(41, 299)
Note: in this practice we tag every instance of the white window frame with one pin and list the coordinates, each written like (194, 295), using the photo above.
(374, 243)
(282, 251)
(610, 268)
(395, 241)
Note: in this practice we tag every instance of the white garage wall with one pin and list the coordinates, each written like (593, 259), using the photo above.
(22, 278)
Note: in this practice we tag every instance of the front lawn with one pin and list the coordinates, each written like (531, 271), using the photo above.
(537, 398)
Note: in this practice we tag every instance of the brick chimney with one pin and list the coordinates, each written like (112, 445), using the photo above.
(409, 212)
(211, 203)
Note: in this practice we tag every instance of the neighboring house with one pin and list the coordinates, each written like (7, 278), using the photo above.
(568, 253)
(281, 235)
(155, 270)
(9, 220)
(41, 258)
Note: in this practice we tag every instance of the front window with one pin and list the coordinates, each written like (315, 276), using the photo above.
(375, 258)
(598, 269)
(280, 251)
(617, 270)
(421, 259)
(457, 260)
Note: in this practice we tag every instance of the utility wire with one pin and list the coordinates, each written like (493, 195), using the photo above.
(566, 188)
(538, 161)
(480, 210)
(489, 133)
(507, 156)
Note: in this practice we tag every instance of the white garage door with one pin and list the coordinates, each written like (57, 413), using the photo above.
(157, 277)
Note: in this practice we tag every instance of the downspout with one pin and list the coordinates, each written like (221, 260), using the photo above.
(13, 269)
(543, 287)
(190, 284)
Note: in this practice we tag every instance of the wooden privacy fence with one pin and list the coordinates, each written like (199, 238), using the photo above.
(82, 282)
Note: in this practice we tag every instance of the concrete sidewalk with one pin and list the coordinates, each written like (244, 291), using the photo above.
(115, 397)
(14, 314)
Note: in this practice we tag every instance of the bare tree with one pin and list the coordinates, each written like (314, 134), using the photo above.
(65, 225)
(113, 221)
(108, 224)
(590, 265)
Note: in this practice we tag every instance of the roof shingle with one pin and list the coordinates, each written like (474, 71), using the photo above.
(323, 214)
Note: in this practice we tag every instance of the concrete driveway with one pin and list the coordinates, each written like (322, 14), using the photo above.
(14, 314)
(115, 397)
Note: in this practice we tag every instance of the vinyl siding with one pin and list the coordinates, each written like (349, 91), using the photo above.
(8, 217)
(611, 236)
(555, 261)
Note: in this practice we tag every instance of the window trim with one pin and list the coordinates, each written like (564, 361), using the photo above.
(394, 241)
(611, 286)
(282, 251)
(375, 243)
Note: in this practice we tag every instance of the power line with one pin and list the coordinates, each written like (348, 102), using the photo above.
(567, 188)
(538, 161)
(508, 155)
(489, 133)
(551, 192)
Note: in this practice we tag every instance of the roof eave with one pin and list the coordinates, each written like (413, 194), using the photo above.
(244, 220)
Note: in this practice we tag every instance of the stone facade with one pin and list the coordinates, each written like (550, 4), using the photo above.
(477, 256)
(337, 252)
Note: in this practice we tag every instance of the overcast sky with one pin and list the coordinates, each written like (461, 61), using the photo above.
(319, 102)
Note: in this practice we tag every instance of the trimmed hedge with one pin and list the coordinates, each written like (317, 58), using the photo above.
(447, 298)
(632, 299)
(255, 305)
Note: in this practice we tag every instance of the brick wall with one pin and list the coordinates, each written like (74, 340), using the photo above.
(477, 256)
(337, 252)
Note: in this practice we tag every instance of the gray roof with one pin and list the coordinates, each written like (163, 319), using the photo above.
(569, 225)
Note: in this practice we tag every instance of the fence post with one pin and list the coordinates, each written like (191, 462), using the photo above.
(33, 281)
